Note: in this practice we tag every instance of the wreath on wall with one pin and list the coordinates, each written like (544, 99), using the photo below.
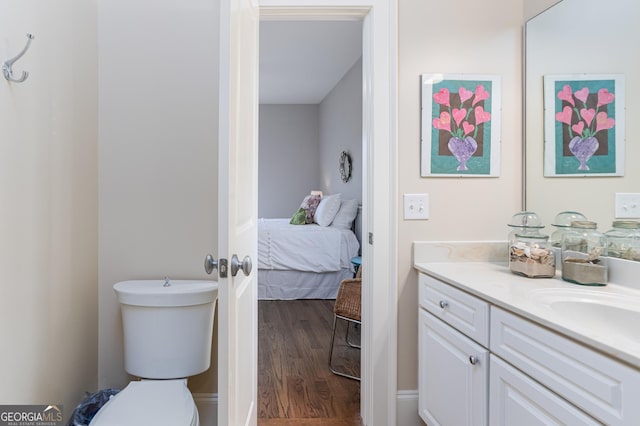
(345, 166)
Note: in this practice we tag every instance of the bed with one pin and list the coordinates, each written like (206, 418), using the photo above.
(303, 261)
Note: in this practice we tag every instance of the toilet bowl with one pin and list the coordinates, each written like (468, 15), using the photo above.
(168, 326)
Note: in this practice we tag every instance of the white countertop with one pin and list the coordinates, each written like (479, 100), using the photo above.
(495, 283)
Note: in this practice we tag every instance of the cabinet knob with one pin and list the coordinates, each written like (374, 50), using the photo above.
(444, 304)
(473, 359)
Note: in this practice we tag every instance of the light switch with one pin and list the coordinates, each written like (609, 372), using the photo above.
(627, 205)
(416, 206)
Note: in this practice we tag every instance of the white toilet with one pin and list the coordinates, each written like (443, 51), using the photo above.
(167, 327)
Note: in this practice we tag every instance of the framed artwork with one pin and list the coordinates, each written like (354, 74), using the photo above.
(584, 125)
(460, 125)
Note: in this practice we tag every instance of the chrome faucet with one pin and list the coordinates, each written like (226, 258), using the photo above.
(166, 282)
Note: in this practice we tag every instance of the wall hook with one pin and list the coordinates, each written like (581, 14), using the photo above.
(8, 64)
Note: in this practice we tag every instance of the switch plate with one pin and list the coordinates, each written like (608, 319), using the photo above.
(627, 205)
(416, 206)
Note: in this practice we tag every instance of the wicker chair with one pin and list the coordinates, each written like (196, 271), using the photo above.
(348, 307)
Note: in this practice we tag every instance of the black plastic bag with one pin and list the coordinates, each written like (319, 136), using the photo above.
(87, 409)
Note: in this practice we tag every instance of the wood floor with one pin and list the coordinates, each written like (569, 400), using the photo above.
(295, 385)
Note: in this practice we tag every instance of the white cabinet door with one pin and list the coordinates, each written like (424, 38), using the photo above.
(453, 376)
(518, 400)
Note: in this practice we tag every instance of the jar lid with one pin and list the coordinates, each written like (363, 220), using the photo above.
(564, 219)
(525, 219)
(626, 224)
(584, 224)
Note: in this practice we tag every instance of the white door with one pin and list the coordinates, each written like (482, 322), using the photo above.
(238, 207)
(453, 375)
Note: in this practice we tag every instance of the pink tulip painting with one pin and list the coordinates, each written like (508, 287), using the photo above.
(584, 115)
(461, 120)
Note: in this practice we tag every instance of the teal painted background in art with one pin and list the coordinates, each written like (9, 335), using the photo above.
(446, 163)
(566, 164)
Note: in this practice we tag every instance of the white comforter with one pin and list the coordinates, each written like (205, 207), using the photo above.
(304, 247)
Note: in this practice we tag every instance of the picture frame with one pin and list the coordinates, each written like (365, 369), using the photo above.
(461, 124)
(584, 125)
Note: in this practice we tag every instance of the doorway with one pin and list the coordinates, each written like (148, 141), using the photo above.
(379, 368)
(310, 111)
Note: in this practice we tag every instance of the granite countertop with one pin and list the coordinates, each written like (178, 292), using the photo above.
(495, 283)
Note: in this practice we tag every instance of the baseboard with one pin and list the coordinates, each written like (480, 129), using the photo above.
(407, 408)
(207, 404)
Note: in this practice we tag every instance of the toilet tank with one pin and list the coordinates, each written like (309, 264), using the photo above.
(167, 328)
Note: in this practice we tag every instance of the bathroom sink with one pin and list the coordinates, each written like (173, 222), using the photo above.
(597, 311)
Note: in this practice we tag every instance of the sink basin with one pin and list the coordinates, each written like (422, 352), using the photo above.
(599, 312)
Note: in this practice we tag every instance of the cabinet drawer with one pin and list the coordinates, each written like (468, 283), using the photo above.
(604, 388)
(464, 312)
(518, 400)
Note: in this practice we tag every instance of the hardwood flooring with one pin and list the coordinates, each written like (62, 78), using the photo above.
(295, 385)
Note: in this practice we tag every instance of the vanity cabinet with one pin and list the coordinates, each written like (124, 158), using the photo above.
(453, 367)
(480, 364)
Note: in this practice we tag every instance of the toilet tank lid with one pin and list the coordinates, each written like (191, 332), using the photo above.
(154, 293)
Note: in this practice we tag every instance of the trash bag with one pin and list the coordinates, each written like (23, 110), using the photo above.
(87, 409)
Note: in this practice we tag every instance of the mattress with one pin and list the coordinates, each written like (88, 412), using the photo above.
(303, 261)
(309, 248)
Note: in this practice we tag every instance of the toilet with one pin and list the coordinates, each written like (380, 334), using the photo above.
(168, 326)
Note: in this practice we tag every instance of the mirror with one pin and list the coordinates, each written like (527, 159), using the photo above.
(581, 37)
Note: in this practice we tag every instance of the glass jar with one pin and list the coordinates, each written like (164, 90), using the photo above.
(584, 252)
(530, 255)
(623, 240)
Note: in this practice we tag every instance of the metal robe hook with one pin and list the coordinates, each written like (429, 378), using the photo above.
(8, 64)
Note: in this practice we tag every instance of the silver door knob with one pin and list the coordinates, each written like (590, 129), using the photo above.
(444, 304)
(210, 264)
(473, 360)
(236, 265)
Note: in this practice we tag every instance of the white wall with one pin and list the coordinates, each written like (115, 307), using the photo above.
(157, 151)
(457, 36)
(49, 204)
(341, 130)
(552, 48)
(289, 158)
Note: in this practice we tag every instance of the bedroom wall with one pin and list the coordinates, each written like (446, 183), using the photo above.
(341, 130)
(305, 141)
(289, 150)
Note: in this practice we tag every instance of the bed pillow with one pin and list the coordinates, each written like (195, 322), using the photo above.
(346, 215)
(306, 211)
(327, 210)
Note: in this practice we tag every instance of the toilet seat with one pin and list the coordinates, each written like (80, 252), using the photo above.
(150, 402)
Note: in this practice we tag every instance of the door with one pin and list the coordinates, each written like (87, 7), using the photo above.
(453, 375)
(238, 207)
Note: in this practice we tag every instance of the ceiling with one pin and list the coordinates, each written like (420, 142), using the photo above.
(301, 61)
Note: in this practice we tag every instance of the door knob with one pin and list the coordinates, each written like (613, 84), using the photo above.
(236, 265)
(210, 264)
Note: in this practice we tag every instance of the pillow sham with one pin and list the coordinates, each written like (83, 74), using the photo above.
(327, 210)
(306, 211)
(346, 215)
